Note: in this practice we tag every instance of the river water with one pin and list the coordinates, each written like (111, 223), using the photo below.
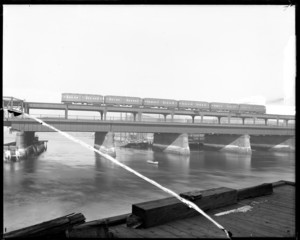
(69, 178)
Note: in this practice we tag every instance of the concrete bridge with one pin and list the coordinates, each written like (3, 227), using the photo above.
(169, 136)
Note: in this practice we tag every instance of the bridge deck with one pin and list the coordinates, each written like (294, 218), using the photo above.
(271, 216)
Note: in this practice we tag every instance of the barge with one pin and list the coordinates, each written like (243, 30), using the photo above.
(11, 152)
(266, 210)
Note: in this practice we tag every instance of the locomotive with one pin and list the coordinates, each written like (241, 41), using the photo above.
(123, 101)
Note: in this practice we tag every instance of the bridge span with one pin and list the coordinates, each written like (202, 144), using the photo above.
(169, 136)
(81, 125)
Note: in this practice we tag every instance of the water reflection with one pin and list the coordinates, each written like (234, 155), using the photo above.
(173, 162)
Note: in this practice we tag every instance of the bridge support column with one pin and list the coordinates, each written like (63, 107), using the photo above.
(27, 143)
(193, 119)
(171, 143)
(219, 120)
(26, 109)
(243, 119)
(266, 121)
(24, 139)
(66, 112)
(165, 117)
(273, 143)
(104, 113)
(139, 116)
(104, 141)
(172, 116)
(227, 142)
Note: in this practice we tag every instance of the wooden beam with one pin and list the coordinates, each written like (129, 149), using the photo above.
(165, 210)
(256, 191)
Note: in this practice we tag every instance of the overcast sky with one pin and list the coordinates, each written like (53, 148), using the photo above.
(192, 52)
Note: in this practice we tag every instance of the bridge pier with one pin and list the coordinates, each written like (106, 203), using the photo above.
(104, 141)
(227, 142)
(138, 115)
(103, 116)
(193, 118)
(24, 139)
(273, 143)
(66, 112)
(243, 119)
(171, 143)
(27, 143)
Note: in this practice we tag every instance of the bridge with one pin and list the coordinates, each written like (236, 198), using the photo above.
(170, 136)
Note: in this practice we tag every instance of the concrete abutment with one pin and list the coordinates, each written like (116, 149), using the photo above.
(104, 141)
(273, 143)
(171, 143)
(227, 142)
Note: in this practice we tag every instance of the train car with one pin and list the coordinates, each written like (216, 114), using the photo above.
(224, 107)
(71, 98)
(92, 99)
(162, 103)
(199, 105)
(122, 101)
(252, 108)
(77, 98)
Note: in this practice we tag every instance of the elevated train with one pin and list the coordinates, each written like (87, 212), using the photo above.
(123, 101)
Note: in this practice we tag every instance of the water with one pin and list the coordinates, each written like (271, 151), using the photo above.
(69, 178)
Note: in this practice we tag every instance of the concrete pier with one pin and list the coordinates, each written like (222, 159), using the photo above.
(26, 144)
(273, 143)
(24, 139)
(228, 142)
(104, 141)
(171, 143)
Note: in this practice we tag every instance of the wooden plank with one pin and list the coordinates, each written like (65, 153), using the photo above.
(122, 231)
(271, 215)
(52, 227)
(237, 228)
(157, 212)
(248, 225)
(194, 231)
(111, 221)
(282, 205)
(177, 233)
(203, 227)
(260, 224)
(162, 231)
(273, 211)
(251, 192)
(276, 221)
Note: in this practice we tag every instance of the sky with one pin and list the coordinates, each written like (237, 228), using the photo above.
(182, 52)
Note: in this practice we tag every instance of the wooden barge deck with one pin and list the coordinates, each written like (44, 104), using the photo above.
(266, 210)
(270, 216)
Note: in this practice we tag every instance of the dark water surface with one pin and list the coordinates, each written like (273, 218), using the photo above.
(69, 178)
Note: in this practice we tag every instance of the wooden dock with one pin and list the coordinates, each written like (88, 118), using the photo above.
(266, 210)
(270, 215)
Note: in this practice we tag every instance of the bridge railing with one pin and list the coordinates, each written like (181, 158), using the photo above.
(151, 119)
